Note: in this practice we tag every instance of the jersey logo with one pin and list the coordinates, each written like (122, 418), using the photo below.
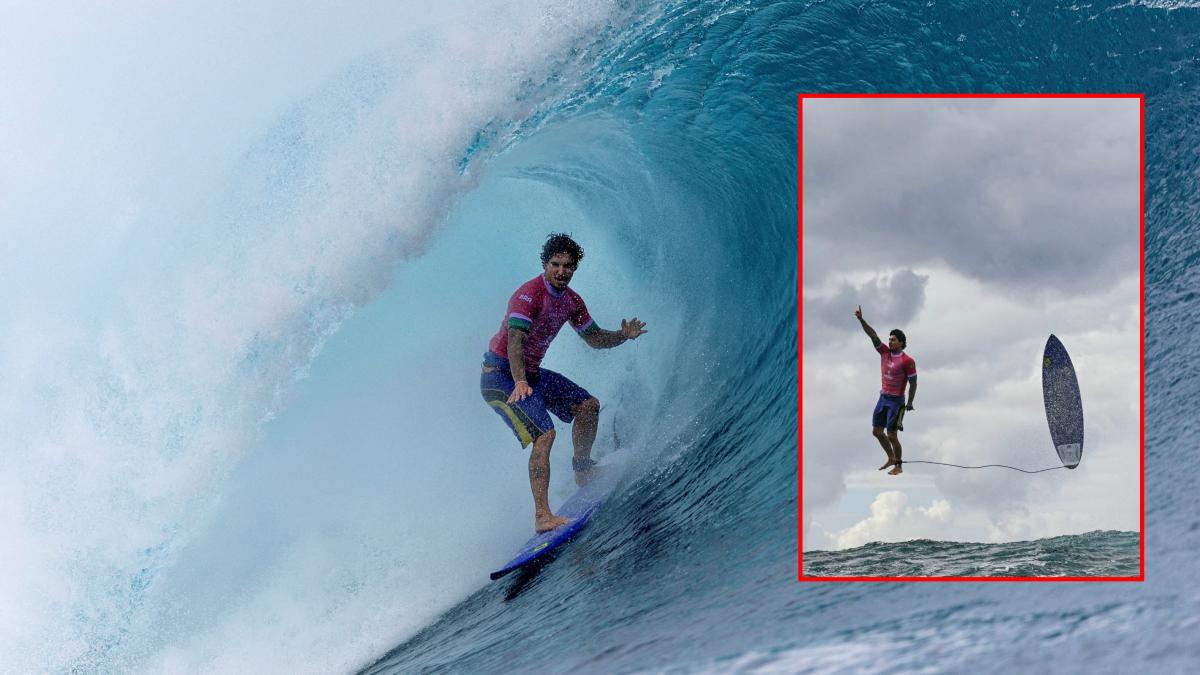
(526, 298)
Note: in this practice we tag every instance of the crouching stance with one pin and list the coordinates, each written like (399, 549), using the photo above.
(523, 393)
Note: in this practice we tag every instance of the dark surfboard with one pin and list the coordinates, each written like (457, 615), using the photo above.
(1064, 408)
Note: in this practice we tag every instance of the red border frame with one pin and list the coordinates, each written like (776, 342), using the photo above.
(800, 336)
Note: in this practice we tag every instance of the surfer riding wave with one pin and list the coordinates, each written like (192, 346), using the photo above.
(523, 394)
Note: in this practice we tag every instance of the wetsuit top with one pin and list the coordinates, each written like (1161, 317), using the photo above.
(897, 369)
(539, 310)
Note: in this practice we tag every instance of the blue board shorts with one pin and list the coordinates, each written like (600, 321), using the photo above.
(889, 413)
(528, 419)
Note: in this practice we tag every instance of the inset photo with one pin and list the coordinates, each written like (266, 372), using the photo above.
(971, 338)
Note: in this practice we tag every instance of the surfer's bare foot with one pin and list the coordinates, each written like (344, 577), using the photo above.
(890, 462)
(587, 475)
(549, 522)
(896, 471)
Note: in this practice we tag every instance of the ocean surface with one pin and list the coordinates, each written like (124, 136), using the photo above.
(253, 255)
(1094, 554)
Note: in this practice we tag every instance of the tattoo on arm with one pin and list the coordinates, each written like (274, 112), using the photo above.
(871, 333)
(516, 353)
(605, 339)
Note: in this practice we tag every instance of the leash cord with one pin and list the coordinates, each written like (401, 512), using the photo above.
(1005, 466)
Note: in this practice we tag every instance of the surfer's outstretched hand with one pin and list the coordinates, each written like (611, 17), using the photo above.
(633, 328)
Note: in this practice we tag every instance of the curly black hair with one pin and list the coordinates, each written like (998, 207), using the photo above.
(557, 242)
(900, 337)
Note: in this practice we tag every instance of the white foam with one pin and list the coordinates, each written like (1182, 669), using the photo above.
(157, 308)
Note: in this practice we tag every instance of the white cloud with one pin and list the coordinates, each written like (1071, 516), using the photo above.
(893, 519)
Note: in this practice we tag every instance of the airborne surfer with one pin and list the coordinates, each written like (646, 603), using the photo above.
(524, 394)
(899, 369)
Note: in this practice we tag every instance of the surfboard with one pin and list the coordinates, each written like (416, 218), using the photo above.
(1064, 408)
(579, 507)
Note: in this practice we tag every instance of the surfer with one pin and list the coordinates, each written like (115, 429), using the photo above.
(899, 369)
(523, 393)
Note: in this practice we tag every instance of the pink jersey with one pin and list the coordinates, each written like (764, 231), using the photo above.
(897, 368)
(541, 311)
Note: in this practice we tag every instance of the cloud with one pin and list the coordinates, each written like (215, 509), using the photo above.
(893, 519)
(1029, 196)
(894, 299)
(980, 402)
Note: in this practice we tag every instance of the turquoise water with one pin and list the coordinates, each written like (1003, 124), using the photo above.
(692, 568)
(243, 338)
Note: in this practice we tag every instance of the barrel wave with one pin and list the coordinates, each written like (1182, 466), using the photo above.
(257, 445)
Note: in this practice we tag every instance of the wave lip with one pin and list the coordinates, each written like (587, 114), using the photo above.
(218, 268)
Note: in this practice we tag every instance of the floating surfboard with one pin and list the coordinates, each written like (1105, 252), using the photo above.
(1064, 409)
(579, 508)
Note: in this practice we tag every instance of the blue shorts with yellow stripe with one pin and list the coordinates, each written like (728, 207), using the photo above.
(528, 419)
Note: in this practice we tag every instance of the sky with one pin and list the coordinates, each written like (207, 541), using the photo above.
(979, 227)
